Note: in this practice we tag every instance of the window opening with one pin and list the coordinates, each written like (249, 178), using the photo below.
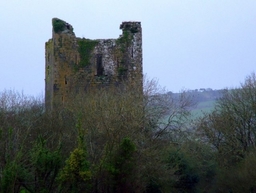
(99, 65)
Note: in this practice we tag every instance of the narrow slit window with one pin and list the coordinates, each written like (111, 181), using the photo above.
(99, 65)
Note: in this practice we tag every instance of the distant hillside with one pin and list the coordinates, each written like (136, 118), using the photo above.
(205, 100)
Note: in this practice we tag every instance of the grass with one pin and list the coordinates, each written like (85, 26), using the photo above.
(203, 107)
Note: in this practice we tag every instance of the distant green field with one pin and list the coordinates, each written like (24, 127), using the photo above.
(205, 101)
(203, 107)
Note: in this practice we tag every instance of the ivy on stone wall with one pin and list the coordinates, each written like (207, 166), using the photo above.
(121, 70)
(86, 46)
(125, 39)
(58, 25)
(123, 44)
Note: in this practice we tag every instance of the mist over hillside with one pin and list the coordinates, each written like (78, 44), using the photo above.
(204, 99)
(202, 94)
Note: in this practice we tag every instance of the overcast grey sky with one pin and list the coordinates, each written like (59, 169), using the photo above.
(187, 44)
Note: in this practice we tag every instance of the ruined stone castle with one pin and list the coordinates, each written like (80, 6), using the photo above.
(74, 65)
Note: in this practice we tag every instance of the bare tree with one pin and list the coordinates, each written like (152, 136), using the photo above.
(231, 127)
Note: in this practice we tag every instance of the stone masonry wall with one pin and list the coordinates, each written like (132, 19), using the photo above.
(73, 65)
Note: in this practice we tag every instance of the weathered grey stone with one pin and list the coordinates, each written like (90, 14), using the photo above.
(74, 64)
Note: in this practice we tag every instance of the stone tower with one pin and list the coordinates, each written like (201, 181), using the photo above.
(74, 65)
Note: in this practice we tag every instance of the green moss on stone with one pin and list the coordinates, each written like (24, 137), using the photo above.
(121, 70)
(125, 39)
(58, 25)
(86, 46)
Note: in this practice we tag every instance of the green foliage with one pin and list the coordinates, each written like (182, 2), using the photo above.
(12, 174)
(122, 71)
(230, 131)
(186, 174)
(103, 142)
(58, 25)
(116, 141)
(121, 166)
(230, 128)
(240, 177)
(153, 187)
(76, 175)
(9, 176)
(76, 170)
(37, 174)
(46, 165)
(43, 158)
(86, 46)
(124, 41)
(23, 191)
(123, 44)
(125, 38)
(124, 159)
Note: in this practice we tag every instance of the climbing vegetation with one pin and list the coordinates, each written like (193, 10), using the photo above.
(58, 25)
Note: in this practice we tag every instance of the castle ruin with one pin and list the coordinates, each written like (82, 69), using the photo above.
(74, 65)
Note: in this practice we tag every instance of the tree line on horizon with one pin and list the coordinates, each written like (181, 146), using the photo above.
(120, 141)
